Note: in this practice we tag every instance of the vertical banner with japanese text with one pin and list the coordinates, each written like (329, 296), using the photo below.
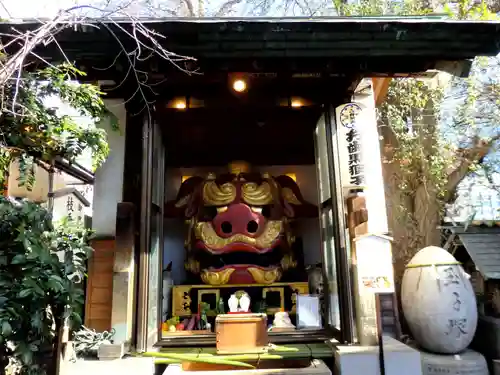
(349, 139)
(360, 160)
(362, 179)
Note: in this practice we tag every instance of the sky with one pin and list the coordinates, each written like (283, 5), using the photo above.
(166, 8)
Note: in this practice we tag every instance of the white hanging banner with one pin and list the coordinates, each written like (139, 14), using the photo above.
(349, 130)
(360, 160)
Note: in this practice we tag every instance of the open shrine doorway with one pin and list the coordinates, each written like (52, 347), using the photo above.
(283, 129)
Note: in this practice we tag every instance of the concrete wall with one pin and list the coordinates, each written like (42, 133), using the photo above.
(108, 188)
(175, 229)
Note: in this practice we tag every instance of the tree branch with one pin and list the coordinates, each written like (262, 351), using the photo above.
(16, 62)
(147, 44)
(225, 9)
(189, 7)
(467, 158)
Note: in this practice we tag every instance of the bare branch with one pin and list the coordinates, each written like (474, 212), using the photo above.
(16, 62)
(190, 8)
(146, 42)
(226, 7)
(467, 158)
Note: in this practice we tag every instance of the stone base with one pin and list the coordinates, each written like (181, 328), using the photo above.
(316, 367)
(467, 363)
(399, 359)
(108, 352)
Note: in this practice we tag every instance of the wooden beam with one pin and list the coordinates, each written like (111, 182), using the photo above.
(380, 88)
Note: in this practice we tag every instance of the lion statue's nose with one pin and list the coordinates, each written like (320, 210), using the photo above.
(238, 219)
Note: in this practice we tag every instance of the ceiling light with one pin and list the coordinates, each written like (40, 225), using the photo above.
(180, 104)
(239, 85)
(296, 103)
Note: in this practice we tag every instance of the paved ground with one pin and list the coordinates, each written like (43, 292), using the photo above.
(126, 366)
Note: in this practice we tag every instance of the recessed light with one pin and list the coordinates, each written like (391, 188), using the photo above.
(239, 85)
(180, 104)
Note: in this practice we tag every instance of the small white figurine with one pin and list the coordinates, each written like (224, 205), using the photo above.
(282, 320)
(233, 303)
(244, 303)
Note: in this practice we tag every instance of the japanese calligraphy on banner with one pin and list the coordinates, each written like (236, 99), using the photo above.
(349, 128)
(360, 161)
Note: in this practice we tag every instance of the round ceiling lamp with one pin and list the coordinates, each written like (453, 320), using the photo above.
(180, 104)
(239, 85)
(296, 103)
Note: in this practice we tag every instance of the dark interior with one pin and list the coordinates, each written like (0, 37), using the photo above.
(259, 125)
(204, 137)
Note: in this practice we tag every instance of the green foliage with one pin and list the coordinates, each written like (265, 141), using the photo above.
(427, 155)
(40, 267)
(469, 10)
(373, 8)
(462, 9)
(411, 111)
(35, 132)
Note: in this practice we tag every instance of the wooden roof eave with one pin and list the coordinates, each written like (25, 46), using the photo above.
(375, 47)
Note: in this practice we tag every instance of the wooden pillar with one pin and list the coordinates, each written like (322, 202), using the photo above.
(380, 88)
(123, 274)
(100, 285)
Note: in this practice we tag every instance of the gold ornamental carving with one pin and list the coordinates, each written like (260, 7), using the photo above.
(188, 243)
(290, 238)
(257, 210)
(216, 277)
(222, 209)
(287, 262)
(257, 195)
(265, 276)
(206, 233)
(218, 195)
(209, 292)
(181, 300)
(290, 196)
(192, 265)
(281, 291)
(239, 166)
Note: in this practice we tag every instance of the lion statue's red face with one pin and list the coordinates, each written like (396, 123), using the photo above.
(239, 229)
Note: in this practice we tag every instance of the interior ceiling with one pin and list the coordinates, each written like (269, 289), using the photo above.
(208, 137)
(249, 126)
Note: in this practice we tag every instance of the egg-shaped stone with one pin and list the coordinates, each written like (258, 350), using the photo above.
(438, 301)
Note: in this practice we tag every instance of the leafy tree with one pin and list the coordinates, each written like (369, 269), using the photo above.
(33, 132)
(39, 270)
(40, 265)
(433, 135)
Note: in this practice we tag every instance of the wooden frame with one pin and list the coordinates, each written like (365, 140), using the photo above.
(142, 306)
(335, 204)
(281, 291)
(203, 292)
